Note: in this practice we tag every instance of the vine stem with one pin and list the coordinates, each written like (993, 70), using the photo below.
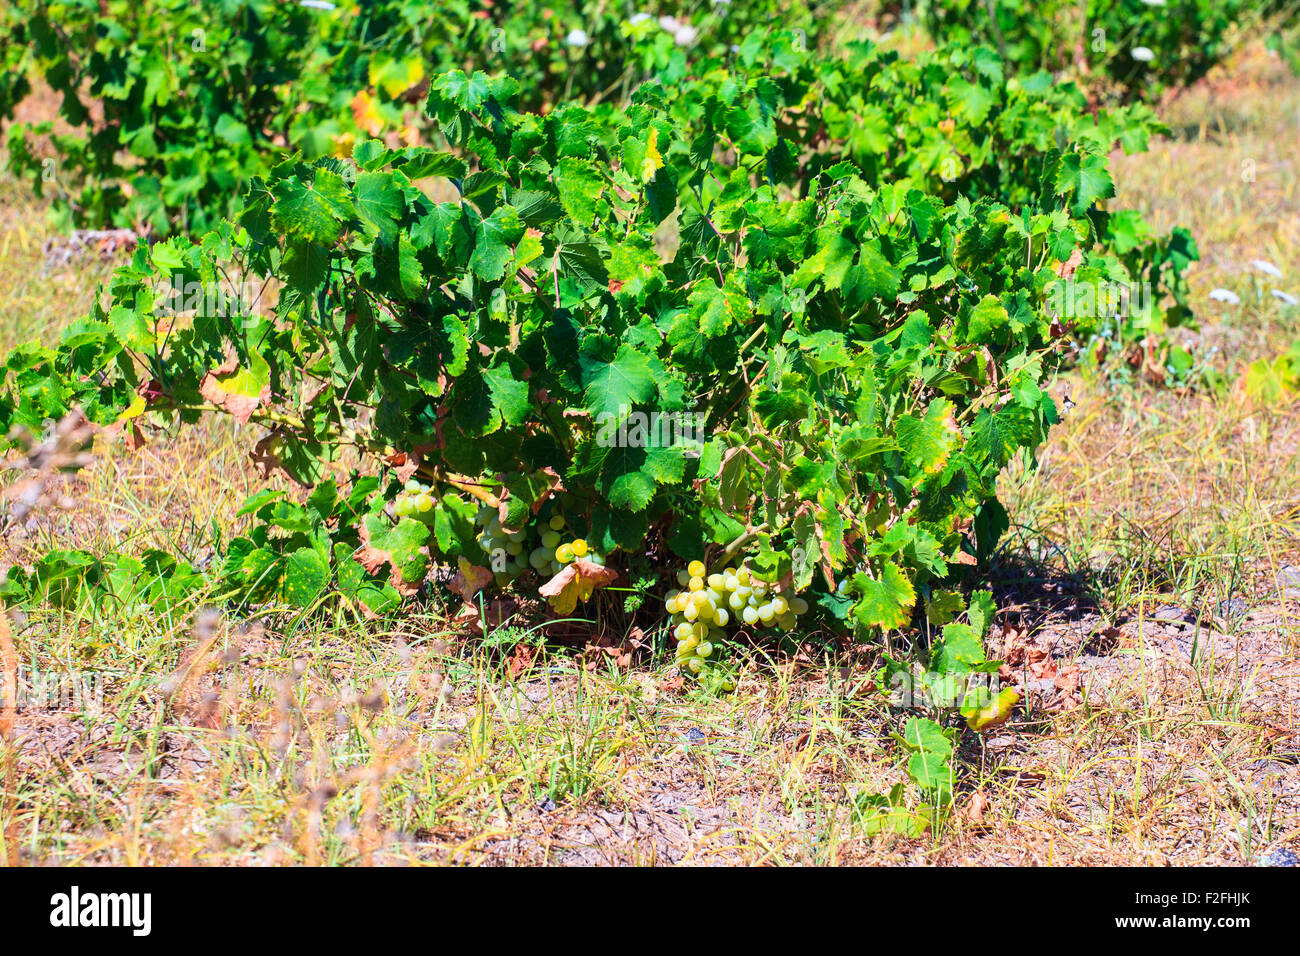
(470, 488)
(741, 540)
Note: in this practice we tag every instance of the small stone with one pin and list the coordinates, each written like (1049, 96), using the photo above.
(1230, 609)
(1288, 579)
(547, 805)
(694, 736)
(1280, 857)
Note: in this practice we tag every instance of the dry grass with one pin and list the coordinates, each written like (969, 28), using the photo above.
(1157, 547)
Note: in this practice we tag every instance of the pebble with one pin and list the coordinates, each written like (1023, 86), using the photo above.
(1230, 609)
(1280, 857)
(694, 736)
(1288, 578)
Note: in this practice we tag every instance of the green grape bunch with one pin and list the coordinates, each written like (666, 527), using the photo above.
(415, 500)
(708, 603)
(541, 547)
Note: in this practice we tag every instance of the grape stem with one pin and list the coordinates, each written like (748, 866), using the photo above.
(467, 485)
(740, 541)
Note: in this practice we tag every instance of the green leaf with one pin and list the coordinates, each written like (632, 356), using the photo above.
(494, 238)
(400, 545)
(580, 186)
(1087, 176)
(943, 606)
(612, 388)
(885, 602)
(958, 651)
(315, 212)
(511, 396)
(379, 203)
(986, 318)
(306, 573)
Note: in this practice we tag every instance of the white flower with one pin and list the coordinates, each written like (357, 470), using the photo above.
(728, 2)
(1143, 54)
(669, 24)
(1154, 3)
(1266, 267)
(1286, 297)
(686, 35)
(316, 4)
(1224, 295)
(639, 18)
(577, 38)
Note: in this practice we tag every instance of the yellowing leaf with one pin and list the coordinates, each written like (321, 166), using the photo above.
(994, 715)
(652, 161)
(575, 582)
(134, 410)
(342, 145)
(395, 77)
(365, 112)
(469, 579)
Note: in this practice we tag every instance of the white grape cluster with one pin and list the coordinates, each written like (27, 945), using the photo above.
(505, 549)
(709, 602)
(540, 547)
(415, 500)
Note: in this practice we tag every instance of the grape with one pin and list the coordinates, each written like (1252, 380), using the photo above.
(707, 603)
(551, 539)
(564, 553)
(556, 523)
(579, 547)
